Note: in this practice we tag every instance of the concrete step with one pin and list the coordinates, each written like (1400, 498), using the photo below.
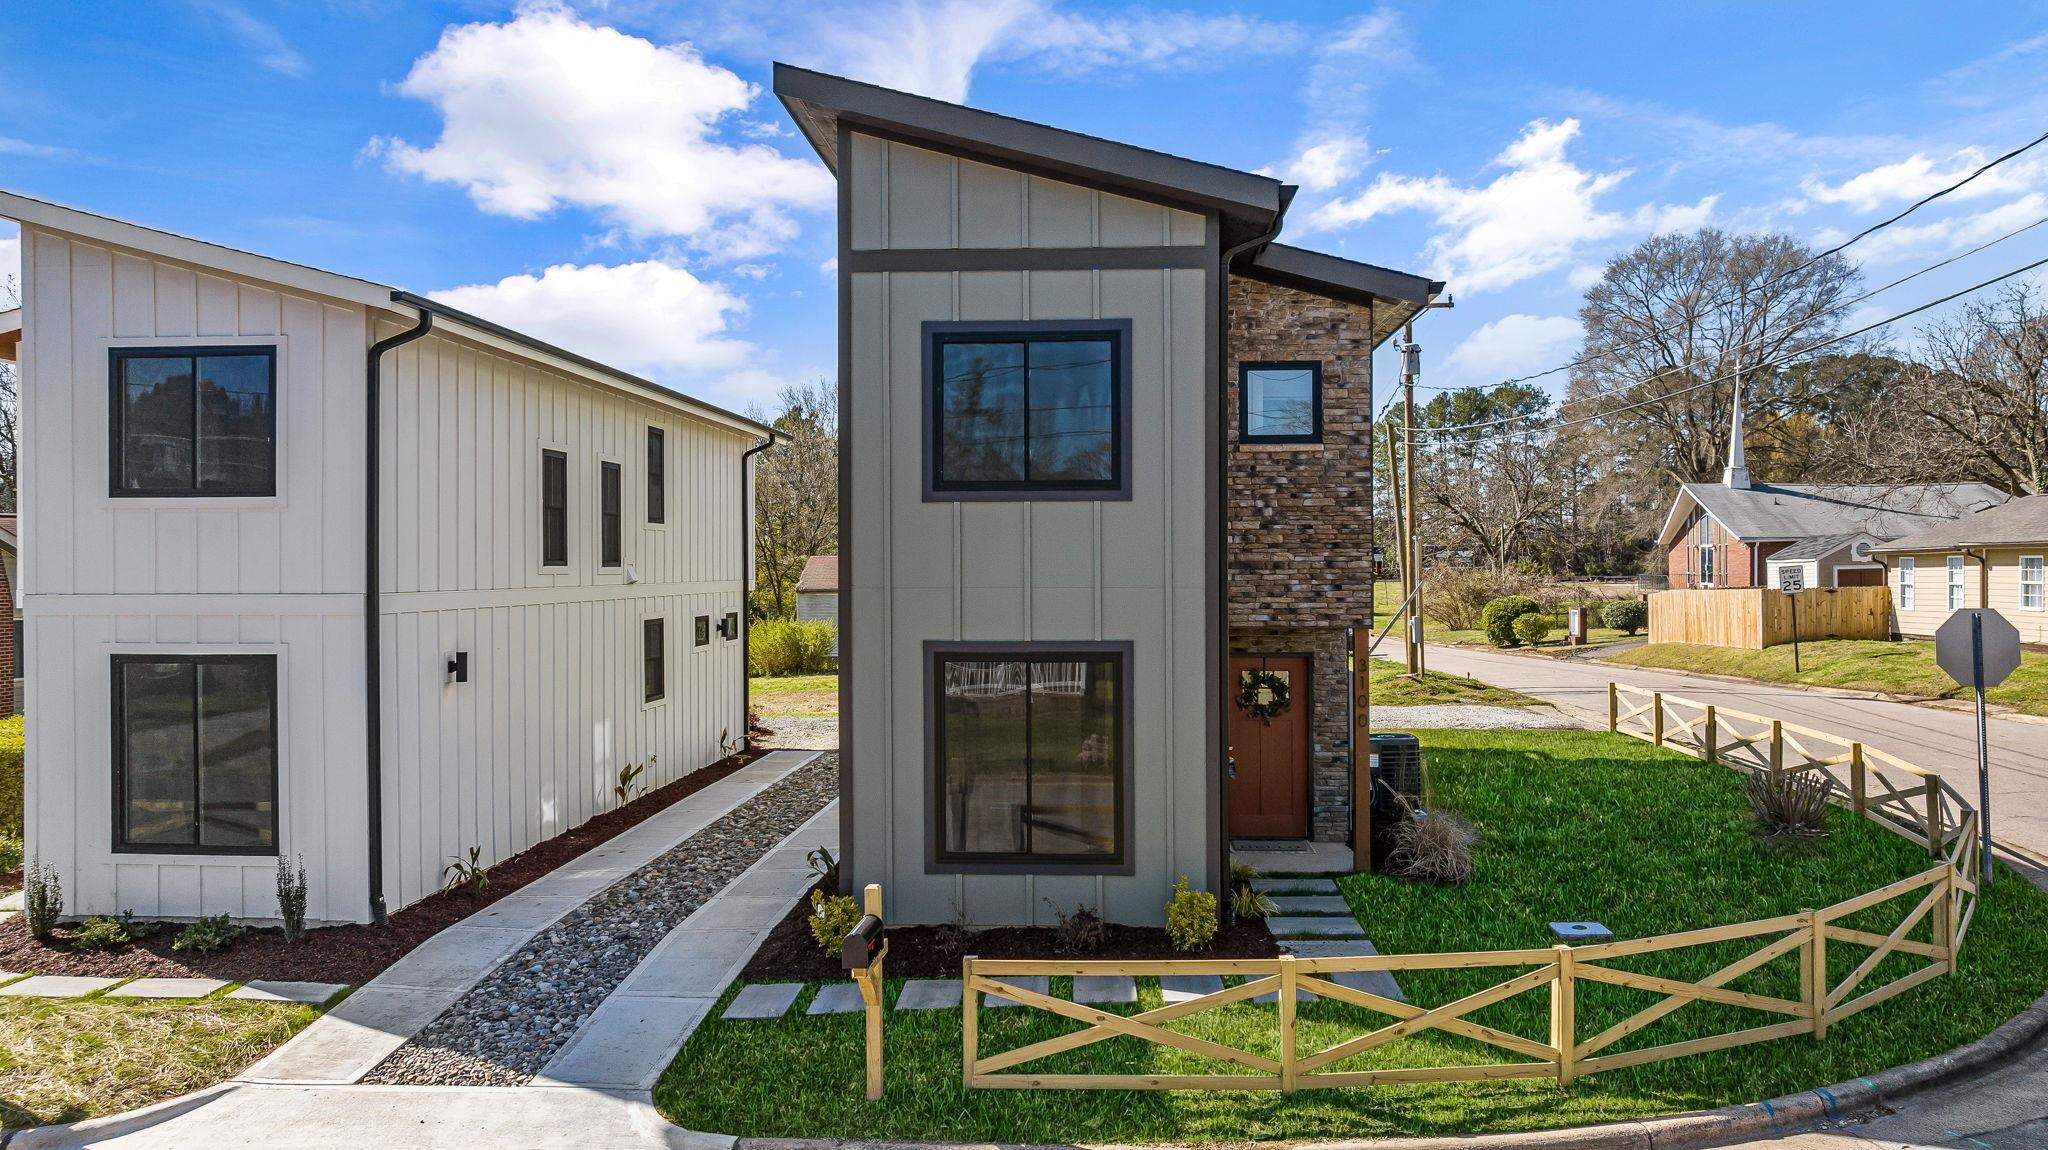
(1301, 926)
(1294, 884)
(1295, 904)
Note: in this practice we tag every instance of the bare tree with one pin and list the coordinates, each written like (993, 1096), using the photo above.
(796, 486)
(1479, 486)
(1978, 408)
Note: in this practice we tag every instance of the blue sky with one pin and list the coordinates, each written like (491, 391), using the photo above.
(615, 176)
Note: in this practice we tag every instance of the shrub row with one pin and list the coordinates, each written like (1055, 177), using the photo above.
(11, 778)
(789, 647)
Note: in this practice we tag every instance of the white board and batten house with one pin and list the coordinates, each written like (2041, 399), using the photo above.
(1032, 561)
(817, 594)
(319, 569)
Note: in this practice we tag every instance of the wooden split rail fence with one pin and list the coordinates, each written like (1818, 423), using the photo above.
(1937, 903)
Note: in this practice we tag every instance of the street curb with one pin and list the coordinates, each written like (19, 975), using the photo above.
(1841, 1104)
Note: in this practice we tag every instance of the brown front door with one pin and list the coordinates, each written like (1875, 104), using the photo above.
(1269, 791)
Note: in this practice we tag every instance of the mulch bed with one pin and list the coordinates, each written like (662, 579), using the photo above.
(789, 953)
(346, 954)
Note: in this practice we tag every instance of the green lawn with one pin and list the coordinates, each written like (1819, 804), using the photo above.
(804, 696)
(1905, 668)
(1575, 824)
(1391, 687)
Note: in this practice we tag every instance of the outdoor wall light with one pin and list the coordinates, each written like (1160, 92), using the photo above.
(458, 667)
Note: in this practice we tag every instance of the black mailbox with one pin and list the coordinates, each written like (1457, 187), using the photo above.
(863, 944)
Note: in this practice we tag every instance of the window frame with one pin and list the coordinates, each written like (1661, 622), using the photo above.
(1244, 393)
(116, 701)
(549, 561)
(2041, 568)
(1909, 587)
(654, 658)
(611, 515)
(935, 334)
(1123, 861)
(118, 354)
(1956, 586)
(657, 475)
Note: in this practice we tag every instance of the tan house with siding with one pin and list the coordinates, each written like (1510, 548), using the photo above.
(1996, 558)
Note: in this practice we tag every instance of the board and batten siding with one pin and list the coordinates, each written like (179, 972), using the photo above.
(532, 744)
(1136, 570)
(101, 576)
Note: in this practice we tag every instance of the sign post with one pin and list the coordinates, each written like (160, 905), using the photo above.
(1978, 648)
(1792, 580)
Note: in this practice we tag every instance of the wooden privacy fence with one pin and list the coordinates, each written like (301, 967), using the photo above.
(1757, 617)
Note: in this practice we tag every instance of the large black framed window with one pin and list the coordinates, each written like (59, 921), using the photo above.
(1030, 756)
(193, 421)
(654, 658)
(1280, 402)
(554, 509)
(657, 475)
(609, 542)
(1031, 410)
(195, 754)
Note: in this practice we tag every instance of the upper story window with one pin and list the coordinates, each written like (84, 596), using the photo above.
(1033, 410)
(554, 509)
(195, 753)
(1280, 402)
(609, 540)
(657, 475)
(194, 421)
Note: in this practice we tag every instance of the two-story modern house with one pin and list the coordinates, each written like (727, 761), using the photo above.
(319, 569)
(1105, 510)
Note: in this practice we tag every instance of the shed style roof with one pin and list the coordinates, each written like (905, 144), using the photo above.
(821, 573)
(2019, 522)
(1818, 547)
(1398, 296)
(1787, 512)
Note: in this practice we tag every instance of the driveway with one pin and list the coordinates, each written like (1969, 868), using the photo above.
(1939, 740)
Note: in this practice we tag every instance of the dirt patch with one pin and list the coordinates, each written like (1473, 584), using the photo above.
(348, 954)
(790, 953)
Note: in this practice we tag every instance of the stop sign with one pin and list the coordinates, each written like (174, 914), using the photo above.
(1953, 654)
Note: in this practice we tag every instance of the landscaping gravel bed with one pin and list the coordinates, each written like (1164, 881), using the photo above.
(1469, 717)
(509, 1025)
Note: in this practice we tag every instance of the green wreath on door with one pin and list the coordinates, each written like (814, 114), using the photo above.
(1264, 695)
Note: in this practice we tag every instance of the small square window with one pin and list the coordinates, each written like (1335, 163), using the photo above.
(702, 628)
(1280, 402)
(194, 421)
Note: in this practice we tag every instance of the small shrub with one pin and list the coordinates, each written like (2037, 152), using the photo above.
(1190, 916)
(101, 933)
(10, 853)
(1625, 615)
(1794, 805)
(1498, 619)
(789, 647)
(1454, 600)
(470, 872)
(832, 917)
(1247, 901)
(209, 936)
(1533, 628)
(42, 899)
(291, 898)
(629, 778)
(11, 780)
(1079, 932)
(1433, 846)
(137, 931)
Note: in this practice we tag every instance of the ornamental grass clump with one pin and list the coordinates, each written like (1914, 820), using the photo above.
(1079, 932)
(1790, 806)
(1433, 846)
(1246, 900)
(1190, 917)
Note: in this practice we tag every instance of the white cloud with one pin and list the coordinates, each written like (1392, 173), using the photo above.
(1531, 219)
(1907, 241)
(1350, 64)
(650, 317)
(272, 50)
(1511, 346)
(1918, 175)
(547, 110)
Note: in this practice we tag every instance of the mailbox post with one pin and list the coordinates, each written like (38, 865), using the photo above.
(861, 953)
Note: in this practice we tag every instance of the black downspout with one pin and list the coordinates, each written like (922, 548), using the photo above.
(746, 544)
(373, 735)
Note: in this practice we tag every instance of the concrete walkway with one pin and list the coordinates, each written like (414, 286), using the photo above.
(1939, 740)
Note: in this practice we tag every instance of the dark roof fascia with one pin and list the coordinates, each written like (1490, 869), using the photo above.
(522, 339)
(1337, 277)
(818, 102)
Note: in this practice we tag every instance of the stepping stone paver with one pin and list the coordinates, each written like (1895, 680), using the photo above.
(1037, 982)
(1380, 982)
(56, 986)
(305, 993)
(167, 988)
(13, 902)
(1580, 932)
(1105, 988)
(1293, 926)
(1307, 885)
(1182, 987)
(764, 1000)
(929, 994)
(837, 998)
(1294, 904)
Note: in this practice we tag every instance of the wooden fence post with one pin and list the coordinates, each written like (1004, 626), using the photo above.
(1657, 716)
(1289, 1068)
(1710, 738)
(970, 1022)
(1859, 787)
(1613, 708)
(1943, 928)
(1813, 978)
(1933, 818)
(1564, 1023)
(1777, 749)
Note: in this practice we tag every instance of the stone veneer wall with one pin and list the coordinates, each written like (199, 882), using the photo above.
(1299, 523)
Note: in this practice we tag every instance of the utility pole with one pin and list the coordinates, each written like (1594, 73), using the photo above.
(1411, 573)
(1401, 540)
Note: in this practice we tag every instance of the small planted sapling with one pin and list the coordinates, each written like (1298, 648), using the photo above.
(629, 778)
(1190, 916)
(42, 899)
(291, 898)
(468, 872)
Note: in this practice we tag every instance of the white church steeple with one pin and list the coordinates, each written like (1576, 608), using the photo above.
(1737, 474)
